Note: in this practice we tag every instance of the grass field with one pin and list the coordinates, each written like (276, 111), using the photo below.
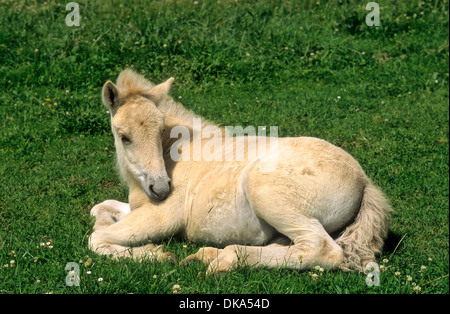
(312, 68)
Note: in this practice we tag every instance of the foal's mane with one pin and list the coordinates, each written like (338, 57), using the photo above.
(130, 83)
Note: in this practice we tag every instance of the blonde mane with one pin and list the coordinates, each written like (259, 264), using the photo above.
(130, 83)
(177, 114)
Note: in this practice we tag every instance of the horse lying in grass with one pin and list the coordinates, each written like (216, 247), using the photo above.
(315, 207)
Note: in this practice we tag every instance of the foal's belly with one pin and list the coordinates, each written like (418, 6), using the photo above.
(226, 225)
(217, 211)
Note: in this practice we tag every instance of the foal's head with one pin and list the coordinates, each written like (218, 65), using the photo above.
(137, 125)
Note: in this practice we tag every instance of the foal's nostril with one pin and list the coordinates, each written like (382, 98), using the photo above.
(170, 184)
(153, 190)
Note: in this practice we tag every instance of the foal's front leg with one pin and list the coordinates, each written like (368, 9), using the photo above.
(119, 232)
(109, 212)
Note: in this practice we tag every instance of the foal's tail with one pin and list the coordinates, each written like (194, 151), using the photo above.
(364, 238)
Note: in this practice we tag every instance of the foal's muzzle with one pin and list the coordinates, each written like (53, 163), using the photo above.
(159, 188)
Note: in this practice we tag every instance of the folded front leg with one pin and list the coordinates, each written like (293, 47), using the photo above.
(130, 236)
(109, 212)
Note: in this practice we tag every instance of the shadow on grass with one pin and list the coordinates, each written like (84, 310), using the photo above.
(392, 242)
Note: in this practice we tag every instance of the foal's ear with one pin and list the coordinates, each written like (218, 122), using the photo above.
(110, 96)
(159, 93)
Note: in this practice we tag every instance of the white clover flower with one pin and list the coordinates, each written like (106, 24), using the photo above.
(417, 289)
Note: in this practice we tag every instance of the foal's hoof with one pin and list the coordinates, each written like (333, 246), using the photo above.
(189, 260)
(214, 271)
(169, 257)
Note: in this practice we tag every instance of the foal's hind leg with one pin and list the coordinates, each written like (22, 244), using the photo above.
(288, 204)
(206, 255)
(311, 246)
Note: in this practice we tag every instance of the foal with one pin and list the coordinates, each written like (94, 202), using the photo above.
(279, 218)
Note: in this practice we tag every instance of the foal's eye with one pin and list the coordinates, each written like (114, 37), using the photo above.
(124, 138)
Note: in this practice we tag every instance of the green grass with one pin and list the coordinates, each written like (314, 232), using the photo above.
(311, 68)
